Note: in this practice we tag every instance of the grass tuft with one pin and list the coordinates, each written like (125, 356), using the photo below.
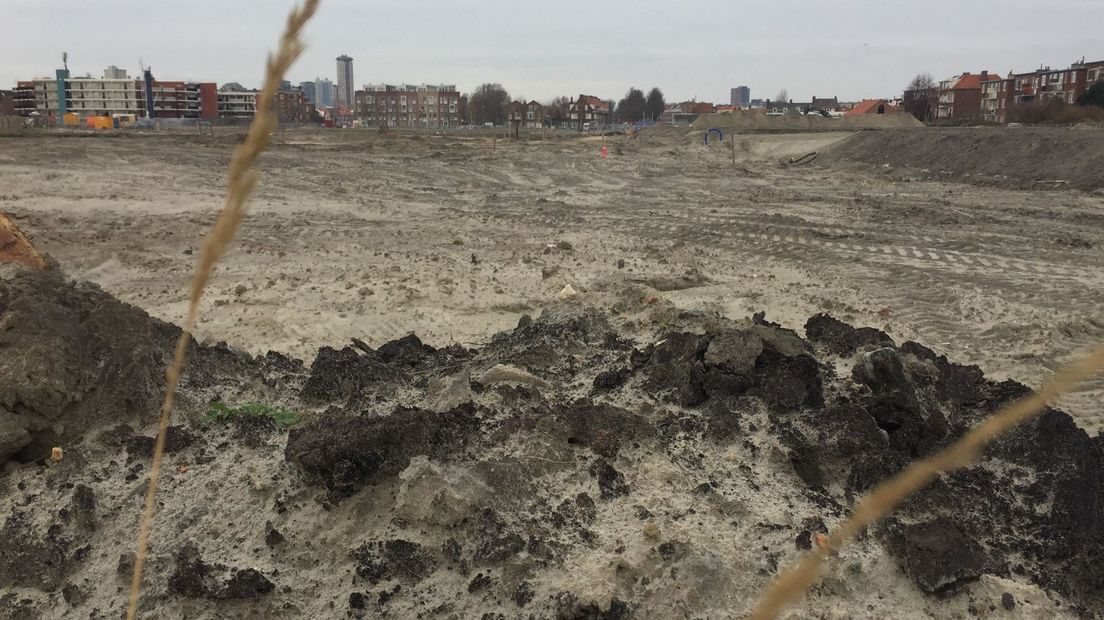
(221, 412)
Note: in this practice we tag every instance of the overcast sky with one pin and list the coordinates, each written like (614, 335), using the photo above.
(853, 49)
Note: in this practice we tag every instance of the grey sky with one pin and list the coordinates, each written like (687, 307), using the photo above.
(853, 49)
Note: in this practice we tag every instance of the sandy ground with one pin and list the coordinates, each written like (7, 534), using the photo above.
(354, 234)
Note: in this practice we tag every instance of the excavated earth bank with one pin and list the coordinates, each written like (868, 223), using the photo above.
(594, 462)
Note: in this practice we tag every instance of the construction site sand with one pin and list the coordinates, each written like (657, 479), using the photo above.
(354, 234)
(1023, 157)
(744, 120)
(649, 462)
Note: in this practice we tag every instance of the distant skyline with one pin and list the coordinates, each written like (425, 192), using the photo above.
(852, 49)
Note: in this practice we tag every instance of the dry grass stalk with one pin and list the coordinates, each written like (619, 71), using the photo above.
(242, 181)
(792, 584)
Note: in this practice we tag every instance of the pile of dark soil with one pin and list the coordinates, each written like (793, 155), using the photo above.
(1019, 157)
(631, 471)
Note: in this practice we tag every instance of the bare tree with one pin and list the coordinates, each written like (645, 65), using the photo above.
(782, 96)
(918, 95)
(556, 111)
(922, 81)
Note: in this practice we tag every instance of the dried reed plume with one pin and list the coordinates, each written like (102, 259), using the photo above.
(885, 498)
(242, 182)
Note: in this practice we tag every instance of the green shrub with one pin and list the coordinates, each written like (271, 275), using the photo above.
(220, 412)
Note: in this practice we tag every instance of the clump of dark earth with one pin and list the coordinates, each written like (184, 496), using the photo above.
(177, 438)
(841, 339)
(345, 453)
(766, 362)
(611, 483)
(349, 374)
(601, 427)
(194, 578)
(32, 558)
(938, 556)
(1031, 510)
(393, 559)
(609, 380)
(568, 607)
(496, 540)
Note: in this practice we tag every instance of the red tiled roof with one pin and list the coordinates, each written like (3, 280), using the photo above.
(868, 105)
(968, 81)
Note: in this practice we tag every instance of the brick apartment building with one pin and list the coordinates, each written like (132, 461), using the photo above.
(427, 106)
(997, 98)
(7, 103)
(292, 106)
(994, 99)
(960, 98)
(181, 99)
(1047, 85)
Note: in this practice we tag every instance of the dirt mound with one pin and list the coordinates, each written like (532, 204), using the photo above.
(74, 360)
(622, 474)
(1023, 157)
(746, 121)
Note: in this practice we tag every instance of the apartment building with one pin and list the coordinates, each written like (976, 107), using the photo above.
(998, 95)
(87, 96)
(960, 97)
(291, 106)
(344, 96)
(174, 99)
(1094, 72)
(740, 97)
(427, 106)
(7, 103)
(237, 103)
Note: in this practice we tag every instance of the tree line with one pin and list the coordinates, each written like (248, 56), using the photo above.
(490, 102)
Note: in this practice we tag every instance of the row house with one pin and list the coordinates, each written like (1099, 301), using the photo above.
(525, 114)
(427, 106)
(827, 105)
